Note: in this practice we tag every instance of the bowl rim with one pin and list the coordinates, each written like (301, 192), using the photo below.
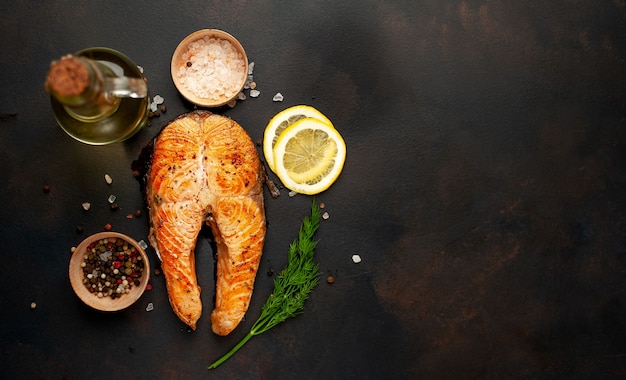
(106, 303)
(183, 45)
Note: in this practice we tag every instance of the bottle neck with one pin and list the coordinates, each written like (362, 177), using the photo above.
(73, 80)
(78, 84)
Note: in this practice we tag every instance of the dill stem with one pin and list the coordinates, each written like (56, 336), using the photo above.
(232, 351)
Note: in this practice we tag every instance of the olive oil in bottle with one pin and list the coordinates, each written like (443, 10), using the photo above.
(98, 96)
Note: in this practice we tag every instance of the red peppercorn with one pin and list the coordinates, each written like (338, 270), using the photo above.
(117, 264)
(149, 287)
(108, 227)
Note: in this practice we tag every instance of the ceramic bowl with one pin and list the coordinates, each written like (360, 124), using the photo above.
(106, 303)
(203, 73)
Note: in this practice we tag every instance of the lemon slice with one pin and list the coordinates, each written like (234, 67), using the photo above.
(281, 121)
(309, 156)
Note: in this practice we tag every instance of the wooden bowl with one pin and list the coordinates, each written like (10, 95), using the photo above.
(238, 75)
(106, 303)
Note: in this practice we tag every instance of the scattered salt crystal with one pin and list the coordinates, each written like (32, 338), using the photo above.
(356, 259)
(140, 69)
(142, 244)
(112, 198)
(86, 206)
(158, 99)
(153, 107)
(241, 96)
(325, 215)
(278, 97)
(254, 93)
(292, 194)
(249, 82)
(250, 68)
(150, 306)
(232, 103)
(108, 179)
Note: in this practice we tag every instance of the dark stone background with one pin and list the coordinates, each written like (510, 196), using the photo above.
(485, 190)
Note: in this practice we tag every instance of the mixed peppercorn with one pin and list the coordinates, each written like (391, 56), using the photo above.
(112, 267)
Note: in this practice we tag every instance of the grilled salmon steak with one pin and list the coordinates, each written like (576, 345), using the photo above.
(206, 169)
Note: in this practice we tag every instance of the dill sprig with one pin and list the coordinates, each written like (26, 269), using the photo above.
(292, 286)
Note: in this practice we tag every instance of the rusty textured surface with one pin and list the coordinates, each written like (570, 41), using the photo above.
(485, 190)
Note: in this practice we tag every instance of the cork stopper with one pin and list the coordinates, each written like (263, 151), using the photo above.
(67, 77)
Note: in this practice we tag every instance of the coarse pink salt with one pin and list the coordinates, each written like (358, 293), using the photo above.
(212, 68)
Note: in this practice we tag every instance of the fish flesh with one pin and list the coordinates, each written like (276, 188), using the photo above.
(205, 169)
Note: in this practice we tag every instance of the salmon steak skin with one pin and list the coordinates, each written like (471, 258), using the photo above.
(205, 169)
